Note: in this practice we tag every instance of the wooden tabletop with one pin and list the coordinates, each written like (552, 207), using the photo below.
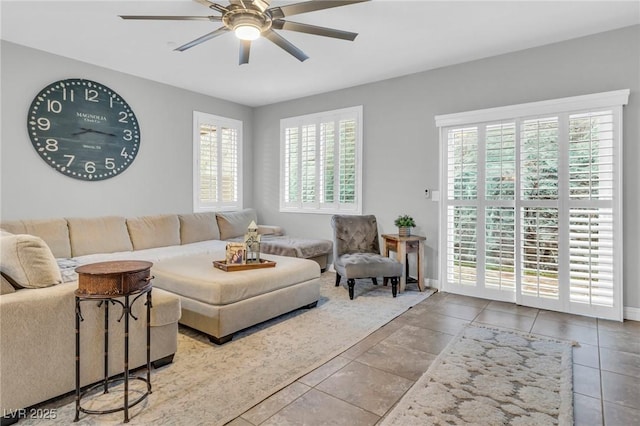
(114, 267)
(396, 237)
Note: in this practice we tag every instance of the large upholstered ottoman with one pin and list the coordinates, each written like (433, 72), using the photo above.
(220, 303)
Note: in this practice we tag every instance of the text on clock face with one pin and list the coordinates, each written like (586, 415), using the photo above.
(83, 129)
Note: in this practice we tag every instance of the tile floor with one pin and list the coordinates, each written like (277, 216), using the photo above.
(363, 383)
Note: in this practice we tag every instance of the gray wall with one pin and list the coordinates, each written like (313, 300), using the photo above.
(401, 140)
(158, 181)
(400, 137)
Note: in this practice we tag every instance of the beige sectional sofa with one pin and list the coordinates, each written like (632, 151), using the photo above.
(37, 324)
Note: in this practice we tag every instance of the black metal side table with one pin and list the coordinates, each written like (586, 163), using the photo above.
(106, 283)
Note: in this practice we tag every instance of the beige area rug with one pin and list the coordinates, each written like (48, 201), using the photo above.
(212, 385)
(489, 376)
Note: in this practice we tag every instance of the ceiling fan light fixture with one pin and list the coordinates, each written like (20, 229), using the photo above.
(247, 32)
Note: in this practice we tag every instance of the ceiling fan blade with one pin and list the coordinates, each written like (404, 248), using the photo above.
(212, 5)
(245, 48)
(281, 42)
(173, 18)
(309, 6)
(281, 24)
(262, 5)
(202, 39)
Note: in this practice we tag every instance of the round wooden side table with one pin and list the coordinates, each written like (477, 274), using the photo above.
(108, 283)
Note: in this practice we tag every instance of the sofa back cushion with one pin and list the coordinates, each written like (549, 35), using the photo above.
(234, 224)
(154, 231)
(54, 232)
(28, 261)
(107, 234)
(196, 227)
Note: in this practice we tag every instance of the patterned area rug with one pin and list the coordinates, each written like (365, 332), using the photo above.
(492, 377)
(212, 385)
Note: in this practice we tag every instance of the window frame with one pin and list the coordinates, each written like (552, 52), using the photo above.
(200, 118)
(563, 108)
(355, 113)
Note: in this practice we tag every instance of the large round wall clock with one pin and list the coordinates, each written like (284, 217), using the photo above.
(83, 129)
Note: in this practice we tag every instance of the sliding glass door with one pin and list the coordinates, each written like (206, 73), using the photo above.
(531, 211)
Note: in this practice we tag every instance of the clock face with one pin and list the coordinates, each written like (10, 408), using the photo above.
(83, 129)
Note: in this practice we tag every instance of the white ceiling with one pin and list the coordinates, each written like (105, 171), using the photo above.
(395, 38)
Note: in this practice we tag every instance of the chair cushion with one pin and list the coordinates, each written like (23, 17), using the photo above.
(367, 265)
(354, 234)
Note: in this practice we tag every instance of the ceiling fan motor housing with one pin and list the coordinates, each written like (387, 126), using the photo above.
(246, 17)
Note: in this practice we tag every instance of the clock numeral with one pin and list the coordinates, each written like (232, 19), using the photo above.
(128, 135)
(91, 95)
(54, 106)
(109, 163)
(123, 117)
(44, 123)
(123, 153)
(70, 157)
(52, 145)
(90, 167)
(64, 94)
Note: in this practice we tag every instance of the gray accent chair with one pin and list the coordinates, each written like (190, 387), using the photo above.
(356, 252)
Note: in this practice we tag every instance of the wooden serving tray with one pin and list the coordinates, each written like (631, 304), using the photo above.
(232, 267)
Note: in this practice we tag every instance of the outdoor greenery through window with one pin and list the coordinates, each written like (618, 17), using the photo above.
(321, 162)
(217, 151)
(533, 205)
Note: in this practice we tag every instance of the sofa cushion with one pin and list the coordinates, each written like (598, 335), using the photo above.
(197, 227)
(5, 286)
(106, 234)
(28, 261)
(234, 224)
(154, 231)
(54, 232)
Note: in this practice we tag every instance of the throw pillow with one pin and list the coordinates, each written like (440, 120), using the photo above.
(234, 224)
(28, 261)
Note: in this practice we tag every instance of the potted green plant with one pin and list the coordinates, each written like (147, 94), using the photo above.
(404, 224)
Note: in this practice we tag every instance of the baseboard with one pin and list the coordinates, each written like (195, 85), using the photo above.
(430, 282)
(630, 313)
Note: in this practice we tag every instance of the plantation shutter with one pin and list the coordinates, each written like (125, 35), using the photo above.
(228, 149)
(321, 162)
(217, 166)
(462, 184)
(533, 206)
(208, 182)
(591, 220)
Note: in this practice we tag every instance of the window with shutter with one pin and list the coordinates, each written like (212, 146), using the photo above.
(217, 174)
(534, 202)
(321, 162)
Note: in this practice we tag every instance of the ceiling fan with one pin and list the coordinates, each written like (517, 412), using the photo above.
(250, 19)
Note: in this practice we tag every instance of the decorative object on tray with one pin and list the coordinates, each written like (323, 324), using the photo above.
(231, 267)
(404, 224)
(236, 253)
(252, 242)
